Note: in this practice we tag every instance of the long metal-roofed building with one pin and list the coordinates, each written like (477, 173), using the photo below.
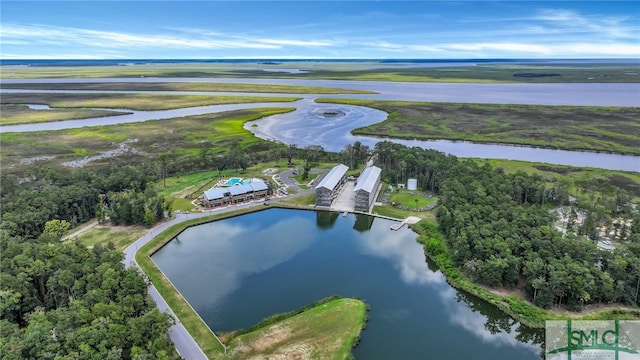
(235, 194)
(366, 188)
(329, 187)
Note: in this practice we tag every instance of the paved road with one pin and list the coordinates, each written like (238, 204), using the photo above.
(184, 343)
(346, 199)
(286, 177)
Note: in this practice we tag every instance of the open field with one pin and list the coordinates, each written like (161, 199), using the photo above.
(11, 114)
(186, 86)
(397, 213)
(366, 70)
(608, 129)
(187, 136)
(327, 331)
(141, 102)
(574, 176)
(120, 236)
(412, 199)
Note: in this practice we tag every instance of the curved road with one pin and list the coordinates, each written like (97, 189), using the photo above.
(184, 343)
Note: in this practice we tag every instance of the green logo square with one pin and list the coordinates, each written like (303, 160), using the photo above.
(592, 340)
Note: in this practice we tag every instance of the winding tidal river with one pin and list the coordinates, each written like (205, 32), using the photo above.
(309, 124)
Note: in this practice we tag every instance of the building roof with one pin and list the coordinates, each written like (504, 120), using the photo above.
(368, 179)
(219, 193)
(247, 188)
(240, 189)
(333, 177)
(257, 185)
(215, 193)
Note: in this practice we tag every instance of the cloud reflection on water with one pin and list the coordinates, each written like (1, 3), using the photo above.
(227, 244)
(406, 255)
(409, 260)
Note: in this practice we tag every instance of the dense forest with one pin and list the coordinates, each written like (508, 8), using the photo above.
(68, 301)
(500, 230)
(64, 300)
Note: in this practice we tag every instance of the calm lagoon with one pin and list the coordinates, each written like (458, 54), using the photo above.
(237, 271)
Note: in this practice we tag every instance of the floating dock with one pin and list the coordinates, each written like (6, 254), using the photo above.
(398, 226)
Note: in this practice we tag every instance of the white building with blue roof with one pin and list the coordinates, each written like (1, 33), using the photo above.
(241, 192)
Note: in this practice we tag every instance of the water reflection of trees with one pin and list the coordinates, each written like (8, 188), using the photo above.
(498, 322)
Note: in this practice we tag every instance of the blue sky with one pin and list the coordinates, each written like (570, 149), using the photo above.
(318, 29)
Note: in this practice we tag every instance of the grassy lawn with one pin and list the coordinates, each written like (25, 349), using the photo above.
(183, 185)
(408, 198)
(187, 86)
(303, 200)
(394, 212)
(309, 178)
(182, 204)
(608, 129)
(12, 114)
(120, 236)
(327, 331)
(186, 136)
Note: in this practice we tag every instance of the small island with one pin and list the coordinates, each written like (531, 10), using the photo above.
(328, 330)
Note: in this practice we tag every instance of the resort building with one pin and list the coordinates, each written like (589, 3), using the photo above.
(329, 187)
(366, 188)
(238, 193)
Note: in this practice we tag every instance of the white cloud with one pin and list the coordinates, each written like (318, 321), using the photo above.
(62, 56)
(502, 47)
(303, 43)
(545, 33)
(607, 49)
(570, 21)
(186, 39)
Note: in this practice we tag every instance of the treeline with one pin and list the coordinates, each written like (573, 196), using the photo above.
(65, 301)
(239, 159)
(60, 299)
(499, 231)
(121, 194)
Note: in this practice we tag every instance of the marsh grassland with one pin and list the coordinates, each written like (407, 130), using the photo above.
(361, 70)
(13, 114)
(608, 129)
(191, 136)
(76, 106)
(185, 86)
